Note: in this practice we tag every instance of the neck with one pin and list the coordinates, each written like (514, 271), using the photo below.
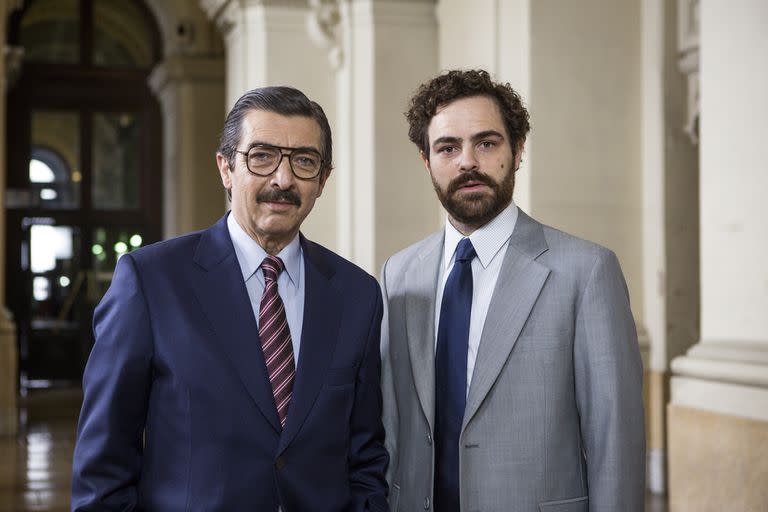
(464, 229)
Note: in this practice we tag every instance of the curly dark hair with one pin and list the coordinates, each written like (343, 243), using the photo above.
(456, 84)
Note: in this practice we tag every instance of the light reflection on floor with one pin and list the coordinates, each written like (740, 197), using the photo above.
(35, 467)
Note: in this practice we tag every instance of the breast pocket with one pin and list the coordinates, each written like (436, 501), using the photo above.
(340, 377)
(571, 505)
(394, 498)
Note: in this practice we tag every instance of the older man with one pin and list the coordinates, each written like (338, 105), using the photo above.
(237, 368)
(512, 375)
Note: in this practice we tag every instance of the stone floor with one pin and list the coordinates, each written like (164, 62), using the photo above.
(35, 467)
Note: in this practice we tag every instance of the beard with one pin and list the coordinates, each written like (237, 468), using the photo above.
(476, 209)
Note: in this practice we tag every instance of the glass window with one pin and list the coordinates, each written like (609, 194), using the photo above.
(50, 32)
(121, 38)
(54, 164)
(54, 263)
(115, 161)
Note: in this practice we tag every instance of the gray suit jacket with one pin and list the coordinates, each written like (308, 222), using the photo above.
(554, 415)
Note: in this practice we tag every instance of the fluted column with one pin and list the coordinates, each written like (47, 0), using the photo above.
(718, 415)
(267, 42)
(191, 93)
(385, 196)
(8, 348)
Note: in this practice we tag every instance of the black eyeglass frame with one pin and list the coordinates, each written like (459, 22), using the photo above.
(283, 152)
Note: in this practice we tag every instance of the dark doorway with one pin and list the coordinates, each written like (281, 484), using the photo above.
(84, 171)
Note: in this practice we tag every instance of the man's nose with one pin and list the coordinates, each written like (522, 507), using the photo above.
(468, 160)
(283, 177)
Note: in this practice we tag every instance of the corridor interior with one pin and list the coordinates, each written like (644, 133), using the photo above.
(35, 466)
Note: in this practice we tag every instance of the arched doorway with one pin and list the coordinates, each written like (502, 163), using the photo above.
(83, 170)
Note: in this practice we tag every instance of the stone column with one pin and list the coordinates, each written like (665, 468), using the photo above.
(669, 212)
(718, 415)
(267, 43)
(191, 93)
(385, 196)
(9, 359)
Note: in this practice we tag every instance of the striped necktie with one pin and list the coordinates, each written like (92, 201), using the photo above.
(276, 338)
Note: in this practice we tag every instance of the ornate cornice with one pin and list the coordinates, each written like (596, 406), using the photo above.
(688, 61)
(324, 27)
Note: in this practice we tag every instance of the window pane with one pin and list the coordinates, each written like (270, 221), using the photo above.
(121, 37)
(54, 164)
(50, 32)
(54, 262)
(109, 245)
(115, 161)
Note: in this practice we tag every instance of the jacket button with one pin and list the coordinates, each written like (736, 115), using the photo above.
(280, 463)
(429, 438)
(426, 503)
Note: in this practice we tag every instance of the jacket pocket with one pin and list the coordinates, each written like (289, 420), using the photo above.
(569, 505)
(394, 498)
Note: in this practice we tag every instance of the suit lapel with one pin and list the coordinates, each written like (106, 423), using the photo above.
(517, 288)
(421, 285)
(221, 291)
(322, 316)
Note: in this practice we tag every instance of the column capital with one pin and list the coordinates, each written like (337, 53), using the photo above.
(179, 68)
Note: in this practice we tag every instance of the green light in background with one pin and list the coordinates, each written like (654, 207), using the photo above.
(97, 249)
(64, 281)
(135, 241)
(121, 247)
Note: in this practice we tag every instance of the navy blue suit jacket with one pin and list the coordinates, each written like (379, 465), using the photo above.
(178, 413)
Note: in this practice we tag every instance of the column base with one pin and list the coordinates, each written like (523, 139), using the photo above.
(718, 428)
(9, 376)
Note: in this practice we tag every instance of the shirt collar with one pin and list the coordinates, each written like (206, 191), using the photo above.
(487, 240)
(250, 254)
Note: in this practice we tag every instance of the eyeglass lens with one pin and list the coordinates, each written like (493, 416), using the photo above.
(264, 160)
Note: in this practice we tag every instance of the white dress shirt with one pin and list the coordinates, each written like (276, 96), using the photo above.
(290, 283)
(490, 243)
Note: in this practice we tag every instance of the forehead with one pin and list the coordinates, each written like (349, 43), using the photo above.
(279, 130)
(466, 116)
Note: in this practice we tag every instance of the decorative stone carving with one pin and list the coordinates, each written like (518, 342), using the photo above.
(688, 62)
(324, 27)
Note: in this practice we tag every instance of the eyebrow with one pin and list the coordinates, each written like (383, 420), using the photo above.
(457, 140)
(257, 143)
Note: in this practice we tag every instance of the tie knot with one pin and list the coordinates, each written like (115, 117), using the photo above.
(271, 266)
(465, 250)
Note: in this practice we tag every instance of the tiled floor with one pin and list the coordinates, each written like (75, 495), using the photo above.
(35, 467)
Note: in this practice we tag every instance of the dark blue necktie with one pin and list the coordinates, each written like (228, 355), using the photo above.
(451, 376)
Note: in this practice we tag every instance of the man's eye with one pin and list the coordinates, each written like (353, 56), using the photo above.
(306, 160)
(447, 150)
(260, 155)
(487, 144)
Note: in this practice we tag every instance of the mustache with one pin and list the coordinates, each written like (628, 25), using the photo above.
(279, 196)
(467, 177)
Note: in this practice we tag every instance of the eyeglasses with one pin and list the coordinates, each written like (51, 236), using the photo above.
(264, 159)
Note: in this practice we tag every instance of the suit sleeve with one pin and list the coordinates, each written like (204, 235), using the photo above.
(116, 385)
(389, 412)
(368, 459)
(608, 379)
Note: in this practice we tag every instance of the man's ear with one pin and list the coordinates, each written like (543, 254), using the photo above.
(324, 175)
(425, 160)
(224, 171)
(519, 154)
